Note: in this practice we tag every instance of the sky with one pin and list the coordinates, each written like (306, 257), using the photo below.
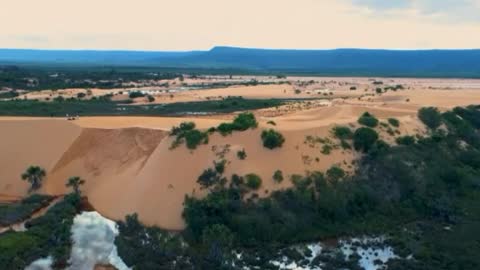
(203, 24)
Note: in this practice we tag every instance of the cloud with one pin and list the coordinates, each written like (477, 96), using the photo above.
(449, 10)
(382, 4)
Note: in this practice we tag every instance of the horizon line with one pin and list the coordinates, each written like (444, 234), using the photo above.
(235, 47)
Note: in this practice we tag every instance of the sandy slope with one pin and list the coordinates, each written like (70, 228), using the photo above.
(31, 142)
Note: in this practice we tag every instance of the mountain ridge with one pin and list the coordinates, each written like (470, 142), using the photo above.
(342, 61)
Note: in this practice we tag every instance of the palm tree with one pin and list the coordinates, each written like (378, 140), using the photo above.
(34, 175)
(75, 182)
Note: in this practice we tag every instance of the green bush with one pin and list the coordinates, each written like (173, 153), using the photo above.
(335, 173)
(272, 139)
(150, 98)
(278, 176)
(368, 120)
(184, 126)
(405, 140)
(245, 121)
(195, 137)
(220, 166)
(342, 132)
(430, 116)
(241, 122)
(326, 149)
(394, 122)
(241, 154)
(208, 178)
(253, 181)
(364, 138)
(237, 180)
(187, 132)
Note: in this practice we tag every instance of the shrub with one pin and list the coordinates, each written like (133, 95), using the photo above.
(241, 122)
(342, 132)
(430, 116)
(220, 166)
(150, 98)
(241, 154)
(225, 128)
(208, 178)
(245, 121)
(187, 132)
(353, 88)
(81, 95)
(195, 137)
(237, 180)
(364, 138)
(184, 126)
(406, 140)
(278, 176)
(272, 139)
(394, 122)
(136, 94)
(326, 149)
(335, 174)
(368, 120)
(253, 181)
(272, 123)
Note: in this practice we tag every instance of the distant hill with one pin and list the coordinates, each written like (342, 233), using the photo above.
(339, 62)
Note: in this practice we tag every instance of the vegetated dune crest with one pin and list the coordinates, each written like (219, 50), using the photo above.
(132, 169)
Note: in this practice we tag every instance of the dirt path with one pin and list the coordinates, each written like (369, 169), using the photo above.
(20, 226)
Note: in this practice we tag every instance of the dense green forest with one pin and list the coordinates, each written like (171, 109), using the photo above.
(422, 196)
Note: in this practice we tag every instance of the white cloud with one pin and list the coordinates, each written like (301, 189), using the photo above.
(447, 10)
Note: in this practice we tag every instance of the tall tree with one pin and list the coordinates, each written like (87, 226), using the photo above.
(34, 175)
(75, 182)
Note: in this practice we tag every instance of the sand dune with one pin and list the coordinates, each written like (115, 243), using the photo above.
(129, 166)
(133, 170)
